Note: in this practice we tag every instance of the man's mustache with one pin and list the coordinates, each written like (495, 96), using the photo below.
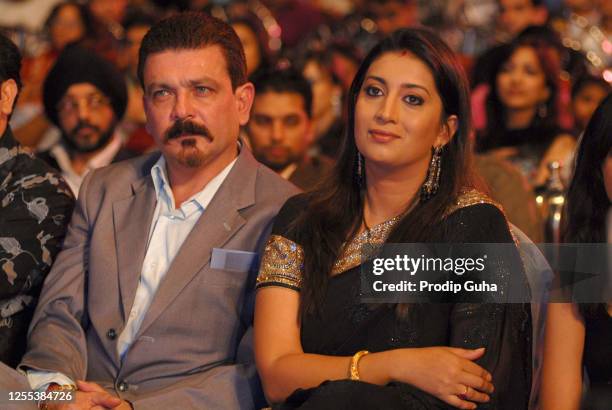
(81, 125)
(185, 127)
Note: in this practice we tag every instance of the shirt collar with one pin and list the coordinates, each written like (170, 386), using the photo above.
(201, 199)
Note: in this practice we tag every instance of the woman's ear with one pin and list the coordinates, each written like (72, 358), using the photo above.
(447, 130)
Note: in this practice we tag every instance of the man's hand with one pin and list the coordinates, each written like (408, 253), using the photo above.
(91, 396)
(91, 387)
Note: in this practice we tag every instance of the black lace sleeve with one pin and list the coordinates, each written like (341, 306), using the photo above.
(504, 330)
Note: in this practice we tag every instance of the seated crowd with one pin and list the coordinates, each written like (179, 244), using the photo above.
(191, 202)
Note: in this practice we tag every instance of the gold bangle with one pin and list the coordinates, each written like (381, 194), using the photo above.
(354, 366)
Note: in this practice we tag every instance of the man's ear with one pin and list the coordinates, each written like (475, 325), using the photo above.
(244, 95)
(8, 94)
(447, 130)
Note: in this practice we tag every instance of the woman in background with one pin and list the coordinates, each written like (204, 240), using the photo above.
(403, 176)
(522, 109)
(253, 39)
(579, 336)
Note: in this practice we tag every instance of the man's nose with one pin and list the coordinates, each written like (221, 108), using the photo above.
(182, 107)
(278, 131)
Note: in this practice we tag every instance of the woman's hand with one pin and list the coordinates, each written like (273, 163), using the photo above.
(447, 373)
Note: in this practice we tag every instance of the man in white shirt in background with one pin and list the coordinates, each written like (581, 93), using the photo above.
(151, 299)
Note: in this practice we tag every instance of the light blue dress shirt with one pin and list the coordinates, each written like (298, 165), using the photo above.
(169, 229)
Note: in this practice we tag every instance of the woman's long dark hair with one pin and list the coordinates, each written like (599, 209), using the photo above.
(335, 209)
(587, 203)
(496, 112)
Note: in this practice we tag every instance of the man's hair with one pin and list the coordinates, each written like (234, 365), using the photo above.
(284, 81)
(191, 31)
(587, 80)
(10, 61)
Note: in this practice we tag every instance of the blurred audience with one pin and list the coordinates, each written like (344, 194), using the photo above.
(254, 41)
(136, 25)
(391, 15)
(581, 26)
(326, 102)
(280, 128)
(509, 187)
(516, 15)
(587, 93)
(67, 22)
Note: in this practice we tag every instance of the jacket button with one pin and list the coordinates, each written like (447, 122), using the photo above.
(111, 334)
(122, 386)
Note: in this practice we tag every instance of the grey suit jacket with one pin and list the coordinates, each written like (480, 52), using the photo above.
(193, 349)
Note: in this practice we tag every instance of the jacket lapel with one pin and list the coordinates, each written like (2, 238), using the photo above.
(132, 220)
(219, 222)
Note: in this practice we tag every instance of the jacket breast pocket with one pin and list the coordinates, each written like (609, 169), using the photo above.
(222, 277)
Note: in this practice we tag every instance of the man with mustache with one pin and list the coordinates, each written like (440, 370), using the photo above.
(150, 303)
(280, 129)
(85, 96)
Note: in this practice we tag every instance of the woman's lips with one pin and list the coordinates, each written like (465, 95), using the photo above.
(382, 136)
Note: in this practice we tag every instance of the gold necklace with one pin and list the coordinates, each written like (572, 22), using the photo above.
(368, 231)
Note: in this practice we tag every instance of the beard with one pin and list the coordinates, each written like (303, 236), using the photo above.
(189, 156)
(273, 162)
(85, 146)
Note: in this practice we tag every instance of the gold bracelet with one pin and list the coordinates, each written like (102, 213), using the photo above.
(354, 366)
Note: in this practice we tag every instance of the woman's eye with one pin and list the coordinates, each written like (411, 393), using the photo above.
(413, 99)
(373, 91)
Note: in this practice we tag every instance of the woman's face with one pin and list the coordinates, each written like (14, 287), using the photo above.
(586, 102)
(606, 169)
(66, 27)
(398, 116)
(250, 45)
(521, 82)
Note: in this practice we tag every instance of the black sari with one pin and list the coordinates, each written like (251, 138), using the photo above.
(345, 325)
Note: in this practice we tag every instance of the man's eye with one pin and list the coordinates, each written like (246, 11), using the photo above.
(413, 99)
(373, 91)
(160, 93)
(259, 120)
(292, 121)
(202, 90)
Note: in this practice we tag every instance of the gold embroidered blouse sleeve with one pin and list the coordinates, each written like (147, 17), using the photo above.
(282, 264)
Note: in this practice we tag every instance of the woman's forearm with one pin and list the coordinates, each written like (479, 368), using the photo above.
(303, 370)
(562, 367)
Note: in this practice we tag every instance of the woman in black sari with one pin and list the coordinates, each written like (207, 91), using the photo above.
(402, 177)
